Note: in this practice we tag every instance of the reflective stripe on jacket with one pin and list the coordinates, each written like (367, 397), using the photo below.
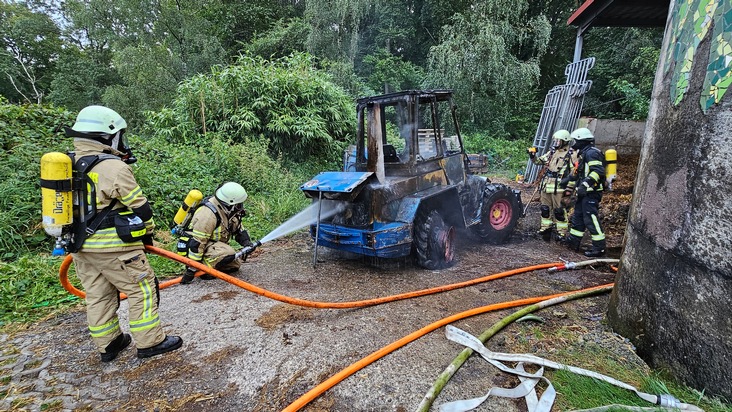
(113, 179)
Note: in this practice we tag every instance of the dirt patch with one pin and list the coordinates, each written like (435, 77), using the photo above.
(281, 314)
(242, 351)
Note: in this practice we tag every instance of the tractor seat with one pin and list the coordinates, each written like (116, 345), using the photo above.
(390, 154)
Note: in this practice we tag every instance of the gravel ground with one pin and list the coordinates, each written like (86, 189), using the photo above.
(243, 351)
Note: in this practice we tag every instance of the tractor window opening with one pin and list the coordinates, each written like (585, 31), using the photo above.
(396, 133)
(429, 132)
(448, 130)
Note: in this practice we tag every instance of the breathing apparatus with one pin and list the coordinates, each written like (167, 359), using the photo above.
(68, 205)
(611, 167)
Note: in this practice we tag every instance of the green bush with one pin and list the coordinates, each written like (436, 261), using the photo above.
(295, 107)
(167, 171)
(26, 133)
(505, 156)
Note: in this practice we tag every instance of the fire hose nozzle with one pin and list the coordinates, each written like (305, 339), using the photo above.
(248, 250)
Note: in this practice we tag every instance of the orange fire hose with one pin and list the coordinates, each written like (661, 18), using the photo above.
(362, 363)
(353, 368)
(63, 275)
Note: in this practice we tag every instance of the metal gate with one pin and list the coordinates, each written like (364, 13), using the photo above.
(562, 108)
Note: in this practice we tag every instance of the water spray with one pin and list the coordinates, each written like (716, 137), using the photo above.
(317, 229)
(308, 216)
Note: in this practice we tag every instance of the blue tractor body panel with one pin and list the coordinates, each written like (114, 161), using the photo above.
(383, 240)
(335, 185)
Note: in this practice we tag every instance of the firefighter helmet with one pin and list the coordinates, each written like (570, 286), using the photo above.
(99, 119)
(562, 135)
(231, 193)
(582, 133)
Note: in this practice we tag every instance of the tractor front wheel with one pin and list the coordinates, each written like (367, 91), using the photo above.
(499, 214)
(434, 240)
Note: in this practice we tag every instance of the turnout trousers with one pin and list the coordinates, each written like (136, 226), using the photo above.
(103, 276)
(585, 218)
(215, 252)
(557, 214)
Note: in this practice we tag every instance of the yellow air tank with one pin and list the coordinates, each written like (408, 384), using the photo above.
(611, 167)
(182, 217)
(57, 198)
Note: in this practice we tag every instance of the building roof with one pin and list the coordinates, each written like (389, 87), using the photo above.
(620, 13)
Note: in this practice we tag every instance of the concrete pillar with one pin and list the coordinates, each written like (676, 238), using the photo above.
(673, 294)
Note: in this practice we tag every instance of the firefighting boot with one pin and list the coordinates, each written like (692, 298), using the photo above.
(546, 234)
(188, 276)
(573, 242)
(115, 347)
(170, 343)
(598, 249)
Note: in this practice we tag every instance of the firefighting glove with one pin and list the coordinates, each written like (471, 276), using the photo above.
(565, 181)
(147, 240)
(582, 189)
(188, 276)
(531, 151)
(243, 239)
(566, 201)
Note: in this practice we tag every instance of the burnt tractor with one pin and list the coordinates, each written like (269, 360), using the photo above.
(406, 186)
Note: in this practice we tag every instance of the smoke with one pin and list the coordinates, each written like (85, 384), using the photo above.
(306, 218)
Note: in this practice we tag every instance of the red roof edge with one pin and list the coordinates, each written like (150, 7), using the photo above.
(579, 11)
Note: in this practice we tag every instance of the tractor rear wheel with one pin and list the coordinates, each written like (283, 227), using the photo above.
(434, 240)
(499, 214)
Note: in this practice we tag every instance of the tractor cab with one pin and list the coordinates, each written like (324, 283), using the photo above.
(405, 187)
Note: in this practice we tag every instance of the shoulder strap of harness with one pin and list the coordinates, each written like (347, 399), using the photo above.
(86, 218)
(215, 211)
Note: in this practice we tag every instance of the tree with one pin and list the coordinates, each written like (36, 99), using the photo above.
(146, 48)
(282, 39)
(29, 46)
(336, 27)
(490, 56)
(616, 91)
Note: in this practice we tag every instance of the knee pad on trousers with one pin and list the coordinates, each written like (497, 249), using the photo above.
(559, 214)
(545, 211)
(225, 261)
(157, 290)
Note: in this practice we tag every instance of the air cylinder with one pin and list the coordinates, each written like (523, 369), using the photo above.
(57, 198)
(611, 167)
(182, 217)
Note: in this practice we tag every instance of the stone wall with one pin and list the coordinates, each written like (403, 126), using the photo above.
(625, 136)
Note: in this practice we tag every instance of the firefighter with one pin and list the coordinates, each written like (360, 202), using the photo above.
(105, 263)
(214, 223)
(587, 182)
(558, 162)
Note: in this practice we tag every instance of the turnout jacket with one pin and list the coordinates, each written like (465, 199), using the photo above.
(590, 170)
(206, 228)
(558, 164)
(113, 179)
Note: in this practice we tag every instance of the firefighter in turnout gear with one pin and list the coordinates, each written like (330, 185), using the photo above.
(106, 263)
(558, 162)
(216, 221)
(587, 182)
